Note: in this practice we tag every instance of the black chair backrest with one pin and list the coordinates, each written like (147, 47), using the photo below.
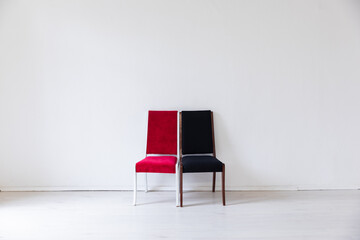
(197, 135)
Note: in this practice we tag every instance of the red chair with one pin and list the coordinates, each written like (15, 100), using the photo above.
(161, 148)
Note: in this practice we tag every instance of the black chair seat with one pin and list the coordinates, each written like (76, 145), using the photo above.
(201, 164)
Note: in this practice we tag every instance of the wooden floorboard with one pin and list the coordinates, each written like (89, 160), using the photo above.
(280, 215)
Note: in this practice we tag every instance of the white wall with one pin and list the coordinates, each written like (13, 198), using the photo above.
(77, 79)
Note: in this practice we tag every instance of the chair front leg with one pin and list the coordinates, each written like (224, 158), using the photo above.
(177, 183)
(181, 185)
(135, 187)
(223, 184)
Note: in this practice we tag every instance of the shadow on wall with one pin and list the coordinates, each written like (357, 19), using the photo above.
(230, 154)
(225, 148)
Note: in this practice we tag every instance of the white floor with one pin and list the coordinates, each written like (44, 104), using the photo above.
(281, 215)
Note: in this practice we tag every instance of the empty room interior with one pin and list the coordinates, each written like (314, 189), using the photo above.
(178, 119)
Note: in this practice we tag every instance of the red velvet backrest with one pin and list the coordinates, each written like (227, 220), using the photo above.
(162, 132)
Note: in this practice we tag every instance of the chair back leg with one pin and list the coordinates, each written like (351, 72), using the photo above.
(146, 183)
(214, 181)
(223, 184)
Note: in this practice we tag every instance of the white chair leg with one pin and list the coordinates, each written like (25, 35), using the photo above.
(146, 183)
(135, 187)
(177, 184)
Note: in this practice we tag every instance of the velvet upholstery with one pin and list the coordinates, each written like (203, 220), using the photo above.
(196, 132)
(157, 164)
(198, 148)
(201, 164)
(197, 138)
(162, 132)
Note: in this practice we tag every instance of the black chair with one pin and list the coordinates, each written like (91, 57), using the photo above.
(197, 147)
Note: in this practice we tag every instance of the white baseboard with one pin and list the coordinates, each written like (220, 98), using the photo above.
(166, 188)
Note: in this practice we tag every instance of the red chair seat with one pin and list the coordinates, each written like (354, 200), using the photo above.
(157, 164)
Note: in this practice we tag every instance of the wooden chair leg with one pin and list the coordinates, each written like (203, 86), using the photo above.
(214, 181)
(223, 184)
(181, 185)
(177, 184)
